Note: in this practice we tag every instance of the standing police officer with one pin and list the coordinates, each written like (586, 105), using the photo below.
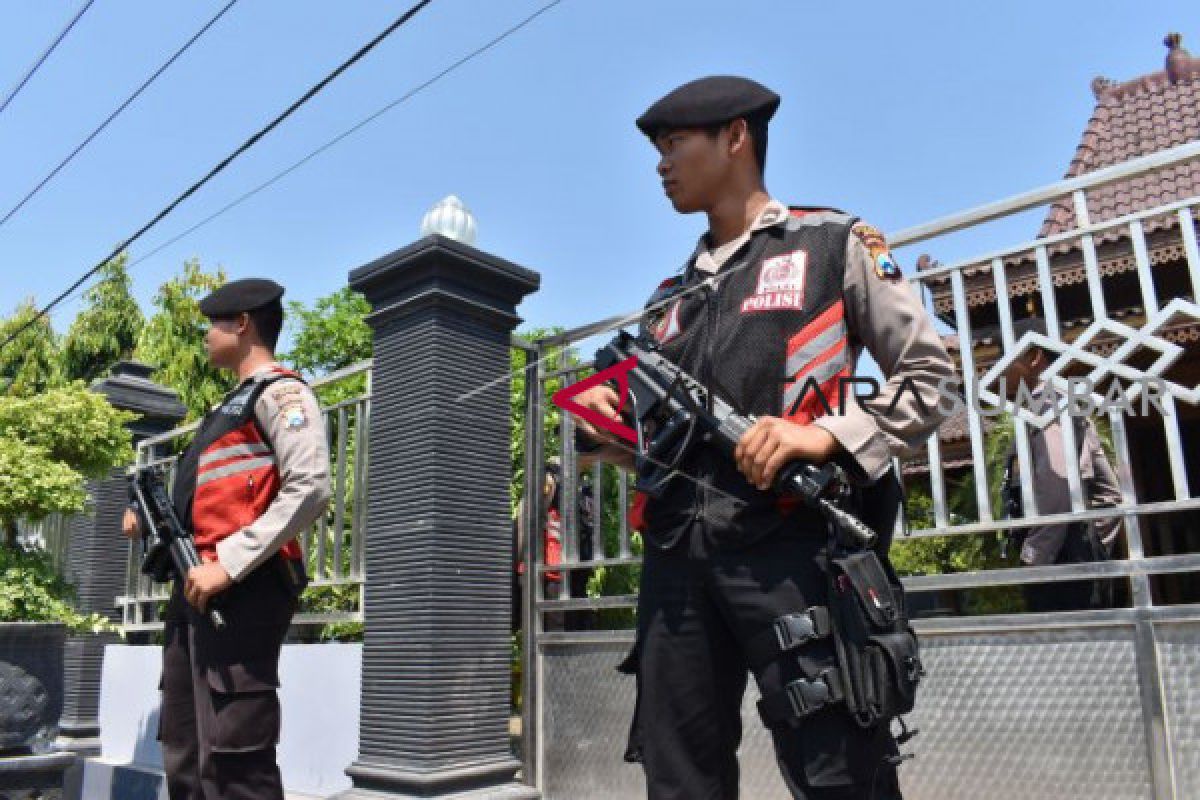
(774, 303)
(255, 475)
(1061, 542)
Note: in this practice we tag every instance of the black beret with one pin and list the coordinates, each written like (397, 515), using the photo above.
(709, 101)
(238, 296)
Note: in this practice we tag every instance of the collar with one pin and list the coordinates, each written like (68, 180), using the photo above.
(711, 260)
(268, 369)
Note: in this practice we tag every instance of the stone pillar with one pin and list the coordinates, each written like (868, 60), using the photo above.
(436, 651)
(97, 555)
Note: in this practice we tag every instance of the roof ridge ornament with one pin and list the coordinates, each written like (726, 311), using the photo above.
(1100, 85)
(1181, 64)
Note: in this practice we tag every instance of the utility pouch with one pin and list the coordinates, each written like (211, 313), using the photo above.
(876, 648)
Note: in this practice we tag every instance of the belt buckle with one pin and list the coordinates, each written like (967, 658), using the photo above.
(784, 635)
(807, 696)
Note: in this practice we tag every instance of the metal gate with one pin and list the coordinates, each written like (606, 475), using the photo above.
(1095, 704)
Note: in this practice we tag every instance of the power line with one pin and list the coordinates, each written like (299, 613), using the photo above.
(45, 54)
(362, 123)
(116, 113)
(225, 162)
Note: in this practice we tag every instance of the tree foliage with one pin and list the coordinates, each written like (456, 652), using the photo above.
(107, 329)
(172, 341)
(331, 335)
(34, 486)
(48, 445)
(971, 553)
(30, 363)
(31, 591)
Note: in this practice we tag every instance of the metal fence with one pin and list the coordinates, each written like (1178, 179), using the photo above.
(1093, 704)
(51, 535)
(333, 546)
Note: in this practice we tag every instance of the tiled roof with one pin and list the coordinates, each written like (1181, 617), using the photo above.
(1137, 118)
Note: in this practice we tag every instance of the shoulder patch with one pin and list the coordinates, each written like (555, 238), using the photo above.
(661, 317)
(877, 248)
(284, 390)
(289, 396)
(295, 417)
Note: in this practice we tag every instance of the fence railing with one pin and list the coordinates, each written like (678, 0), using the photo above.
(1107, 346)
(51, 534)
(333, 546)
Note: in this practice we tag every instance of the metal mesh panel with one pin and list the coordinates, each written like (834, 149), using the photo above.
(1039, 715)
(588, 708)
(1179, 660)
(1036, 715)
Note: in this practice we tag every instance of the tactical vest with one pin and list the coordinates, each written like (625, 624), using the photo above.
(228, 476)
(764, 333)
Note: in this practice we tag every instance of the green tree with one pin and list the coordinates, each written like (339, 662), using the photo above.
(33, 486)
(30, 363)
(49, 444)
(971, 553)
(333, 334)
(173, 340)
(107, 329)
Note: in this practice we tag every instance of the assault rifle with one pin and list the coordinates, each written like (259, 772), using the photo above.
(167, 545)
(672, 412)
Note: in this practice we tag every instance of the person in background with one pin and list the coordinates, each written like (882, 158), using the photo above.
(1060, 542)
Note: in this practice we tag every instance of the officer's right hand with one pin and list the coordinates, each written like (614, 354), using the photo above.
(131, 526)
(604, 401)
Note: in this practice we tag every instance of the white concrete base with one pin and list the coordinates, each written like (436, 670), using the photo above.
(105, 780)
(319, 696)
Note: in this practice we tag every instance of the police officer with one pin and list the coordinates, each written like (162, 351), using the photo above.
(1061, 543)
(255, 475)
(775, 303)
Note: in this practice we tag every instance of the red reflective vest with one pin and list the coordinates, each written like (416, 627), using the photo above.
(228, 476)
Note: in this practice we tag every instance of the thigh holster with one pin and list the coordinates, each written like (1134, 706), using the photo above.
(877, 666)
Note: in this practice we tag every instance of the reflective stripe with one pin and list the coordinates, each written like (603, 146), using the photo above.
(825, 373)
(234, 450)
(813, 348)
(822, 375)
(234, 468)
(834, 315)
(814, 218)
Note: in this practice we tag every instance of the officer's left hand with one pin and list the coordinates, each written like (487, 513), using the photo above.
(773, 442)
(205, 581)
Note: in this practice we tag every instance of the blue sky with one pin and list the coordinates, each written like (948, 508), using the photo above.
(898, 112)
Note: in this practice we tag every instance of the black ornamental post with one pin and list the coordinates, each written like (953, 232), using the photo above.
(97, 556)
(436, 650)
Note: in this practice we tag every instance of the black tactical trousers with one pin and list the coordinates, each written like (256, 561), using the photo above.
(220, 716)
(699, 606)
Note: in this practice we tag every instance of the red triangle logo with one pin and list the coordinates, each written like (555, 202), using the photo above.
(619, 373)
